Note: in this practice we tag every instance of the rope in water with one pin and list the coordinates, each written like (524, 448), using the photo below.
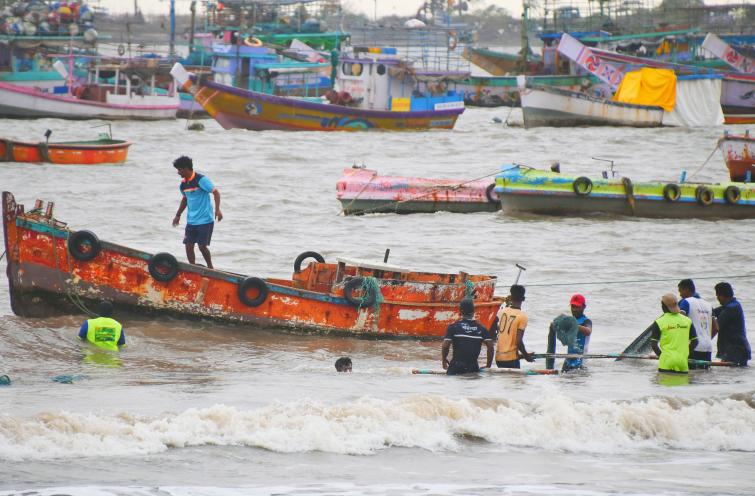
(635, 281)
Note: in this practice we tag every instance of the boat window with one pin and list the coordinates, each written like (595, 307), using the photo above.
(381, 69)
(356, 70)
(346, 68)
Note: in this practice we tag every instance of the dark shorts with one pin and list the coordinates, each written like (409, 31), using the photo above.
(699, 355)
(200, 235)
(456, 368)
(508, 364)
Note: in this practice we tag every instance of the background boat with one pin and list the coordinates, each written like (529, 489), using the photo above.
(104, 150)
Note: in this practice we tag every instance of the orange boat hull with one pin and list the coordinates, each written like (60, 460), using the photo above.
(84, 153)
(45, 279)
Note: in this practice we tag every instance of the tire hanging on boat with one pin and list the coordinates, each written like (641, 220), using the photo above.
(732, 195)
(672, 192)
(163, 267)
(84, 245)
(354, 284)
(253, 283)
(303, 256)
(582, 186)
(704, 195)
(491, 195)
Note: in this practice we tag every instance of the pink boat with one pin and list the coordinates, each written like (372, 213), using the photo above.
(363, 191)
(739, 155)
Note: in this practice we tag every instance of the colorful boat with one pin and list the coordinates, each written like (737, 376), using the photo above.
(739, 155)
(376, 90)
(363, 191)
(53, 270)
(549, 106)
(104, 150)
(524, 189)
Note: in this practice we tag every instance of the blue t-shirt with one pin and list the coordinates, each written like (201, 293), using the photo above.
(580, 344)
(85, 328)
(197, 191)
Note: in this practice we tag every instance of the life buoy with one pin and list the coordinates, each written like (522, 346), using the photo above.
(253, 283)
(78, 92)
(121, 50)
(453, 40)
(355, 284)
(582, 186)
(252, 41)
(704, 195)
(304, 256)
(84, 245)
(491, 195)
(163, 267)
(672, 192)
(732, 194)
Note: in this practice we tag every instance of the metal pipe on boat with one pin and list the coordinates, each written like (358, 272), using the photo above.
(385, 257)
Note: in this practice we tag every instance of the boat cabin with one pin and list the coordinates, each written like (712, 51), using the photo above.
(380, 79)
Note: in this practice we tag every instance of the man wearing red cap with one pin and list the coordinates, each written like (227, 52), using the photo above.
(579, 346)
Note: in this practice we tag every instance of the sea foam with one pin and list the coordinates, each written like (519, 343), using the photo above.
(368, 424)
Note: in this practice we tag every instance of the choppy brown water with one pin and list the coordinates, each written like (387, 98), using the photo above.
(205, 409)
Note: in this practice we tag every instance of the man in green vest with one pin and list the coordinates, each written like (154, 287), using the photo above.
(673, 337)
(104, 331)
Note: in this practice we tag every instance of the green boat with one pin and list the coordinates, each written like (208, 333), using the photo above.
(525, 189)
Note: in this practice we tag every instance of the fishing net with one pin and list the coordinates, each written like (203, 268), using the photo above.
(468, 289)
(566, 328)
(370, 287)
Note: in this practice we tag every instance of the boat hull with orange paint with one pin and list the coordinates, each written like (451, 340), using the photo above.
(739, 155)
(102, 151)
(46, 278)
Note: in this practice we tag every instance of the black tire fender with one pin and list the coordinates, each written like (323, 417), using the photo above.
(582, 186)
(302, 257)
(704, 195)
(672, 192)
(491, 195)
(732, 195)
(253, 283)
(354, 284)
(163, 267)
(78, 242)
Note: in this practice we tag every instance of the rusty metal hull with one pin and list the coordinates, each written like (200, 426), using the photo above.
(45, 279)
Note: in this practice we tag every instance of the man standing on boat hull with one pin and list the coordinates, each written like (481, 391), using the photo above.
(195, 191)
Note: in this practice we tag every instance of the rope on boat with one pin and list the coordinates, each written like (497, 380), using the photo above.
(395, 204)
(74, 298)
(371, 285)
(3, 254)
(635, 281)
(706, 160)
(344, 209)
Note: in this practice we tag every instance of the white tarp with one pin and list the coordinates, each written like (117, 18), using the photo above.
(697, 104)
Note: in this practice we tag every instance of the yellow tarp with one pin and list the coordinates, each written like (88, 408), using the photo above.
(648, 87)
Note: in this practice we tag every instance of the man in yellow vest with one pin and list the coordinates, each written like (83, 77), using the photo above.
(104, 331)
(673, 337)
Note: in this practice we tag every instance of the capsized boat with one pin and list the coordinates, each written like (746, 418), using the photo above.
(526, 189)
(363, 191)
(739, 155)
(53, 269)
(103, 150)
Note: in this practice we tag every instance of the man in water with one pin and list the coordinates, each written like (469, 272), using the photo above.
(104, 331)
(732, 333)
(584, 330)
(195, 194)
(467, 337)
(673, 337)
(700, 313)
(343, 364)
(512, 321)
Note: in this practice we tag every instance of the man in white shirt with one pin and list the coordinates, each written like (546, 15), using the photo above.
(701, 314)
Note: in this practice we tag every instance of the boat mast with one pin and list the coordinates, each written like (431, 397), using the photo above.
(524, 38)
(172, 49)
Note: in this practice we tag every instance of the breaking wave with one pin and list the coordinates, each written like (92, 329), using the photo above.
(368, 424)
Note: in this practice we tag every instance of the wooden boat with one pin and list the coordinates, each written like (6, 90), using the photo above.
(363, 191)
(495, 91)
(376, 91)
(104, 150)
(500, 63)
(549, 106)
(739, 155)
(53, 270)
(524, 189)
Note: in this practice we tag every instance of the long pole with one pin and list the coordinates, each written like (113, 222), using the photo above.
(172, 50)
(193, 9)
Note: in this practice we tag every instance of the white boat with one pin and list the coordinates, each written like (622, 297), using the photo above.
(548, 106)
